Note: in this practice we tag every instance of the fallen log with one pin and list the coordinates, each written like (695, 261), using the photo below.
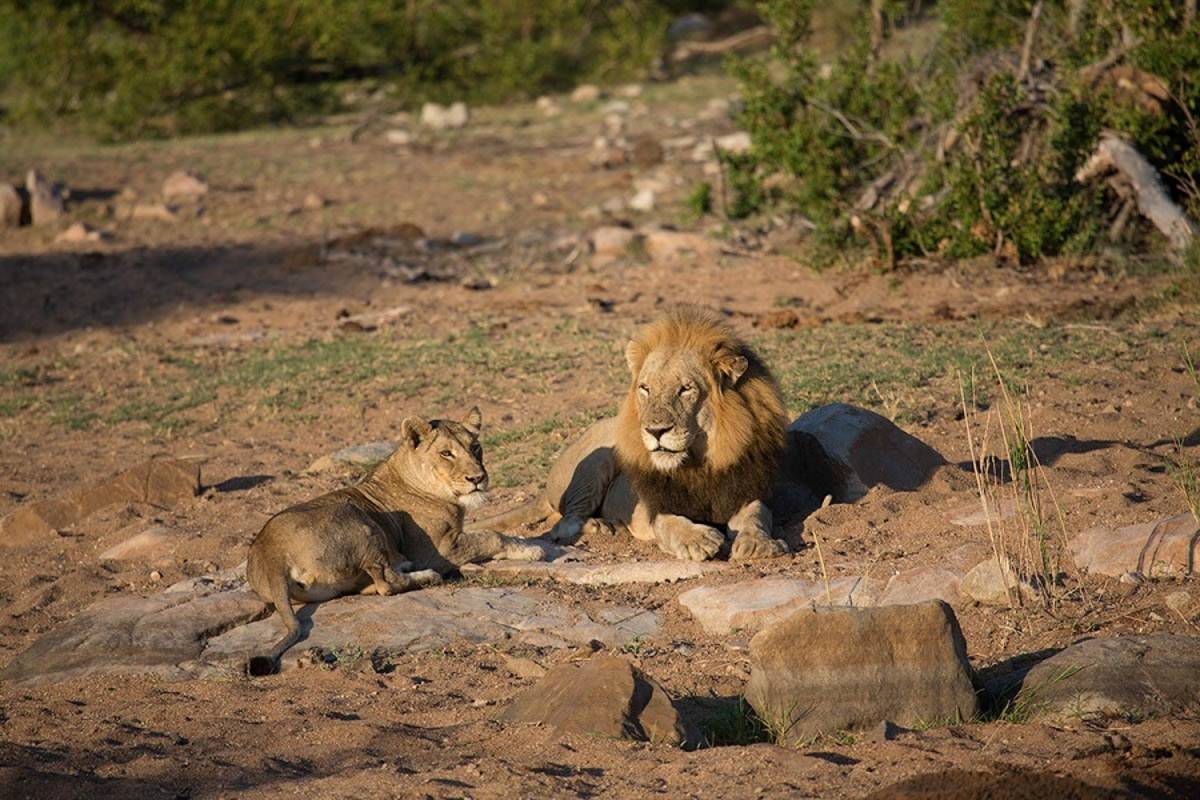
(1153, 202)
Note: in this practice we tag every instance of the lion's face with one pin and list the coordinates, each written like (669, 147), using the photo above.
(672, 393)
(448, 458)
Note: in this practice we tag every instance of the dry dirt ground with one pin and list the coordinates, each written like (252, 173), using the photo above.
(219, 335)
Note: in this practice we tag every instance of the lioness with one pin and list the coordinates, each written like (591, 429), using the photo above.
(696, 446)
(407, 514)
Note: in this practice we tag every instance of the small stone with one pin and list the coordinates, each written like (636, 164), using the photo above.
(478, 283)
(155, 540)
(465, 239)
(548, 106)
(613, 241)
(182, 183)
(80, 232)
(613, 205)
(158, 211)
(155, 576)
(643, 201)
(539, 200)
(647, 152)
(1132, 578)
(314, 201)
(736, 143)
(1179, 602)
(45, 199)
(399, 136)
(524, 667)
(604, 696)
(12, 207)
(663, 244)
(885, 731)
(630, 90)
(441, 118)
(586, 93)
(373, 320)
(619, 107)
(987, 584)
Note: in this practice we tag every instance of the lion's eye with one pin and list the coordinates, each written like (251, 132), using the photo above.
(448, 454)
(644, 389)
(687, 387)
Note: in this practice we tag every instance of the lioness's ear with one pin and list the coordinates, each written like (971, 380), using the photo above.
(474, 421)
(731, 366)
(635, 356)
(413, 431)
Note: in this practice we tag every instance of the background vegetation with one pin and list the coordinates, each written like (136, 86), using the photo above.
(968, 142)
(135, 68)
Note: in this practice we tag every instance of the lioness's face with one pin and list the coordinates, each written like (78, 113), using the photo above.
(450, 457)
(672, 393)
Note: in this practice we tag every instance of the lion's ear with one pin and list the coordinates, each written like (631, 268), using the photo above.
(635, 356)
(414, 430)
(474, 421)
(731, 367)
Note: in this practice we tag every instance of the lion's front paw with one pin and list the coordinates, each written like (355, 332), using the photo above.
(567, 530)
(751, 545)
(694, 542)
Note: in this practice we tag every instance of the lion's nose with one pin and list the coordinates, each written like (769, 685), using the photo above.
(477, 479)
(658, 430)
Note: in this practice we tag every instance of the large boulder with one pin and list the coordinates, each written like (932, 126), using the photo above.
(847, 450)
(819, 672)
(1133, 676)
(162, 482)
(603, 696)
(1153, 549)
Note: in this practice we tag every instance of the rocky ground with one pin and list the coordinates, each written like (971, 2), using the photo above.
(298, 292)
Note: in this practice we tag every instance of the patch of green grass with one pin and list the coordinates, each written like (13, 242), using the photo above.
(734, 723)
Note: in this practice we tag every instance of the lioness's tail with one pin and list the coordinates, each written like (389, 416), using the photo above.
(276, 592)
(528, 513)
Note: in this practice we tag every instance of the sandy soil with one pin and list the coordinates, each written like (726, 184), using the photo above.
(218, 335)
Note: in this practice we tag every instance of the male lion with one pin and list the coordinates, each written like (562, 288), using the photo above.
(407, 514)
(696, 446)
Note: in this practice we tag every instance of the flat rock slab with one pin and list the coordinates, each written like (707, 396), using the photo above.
(163, 635)
(750, 606)
(1153, 549)
(666, 571)
(181, 634)
(1128, 676)
(824, 671)
(161, 482)
(432, 618)
(359, 455)
(918, 584)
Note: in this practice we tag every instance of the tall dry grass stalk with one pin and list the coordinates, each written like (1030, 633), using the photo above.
(1025, 523)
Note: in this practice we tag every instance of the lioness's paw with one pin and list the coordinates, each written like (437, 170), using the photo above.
(697, 542)
(424, 577)
(748, 546)
(533, 550)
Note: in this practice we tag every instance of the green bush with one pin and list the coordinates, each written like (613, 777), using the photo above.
(826, 136)
(130, 68)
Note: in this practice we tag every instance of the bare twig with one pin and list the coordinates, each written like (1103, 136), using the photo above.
(821, 558)
(1030, 37)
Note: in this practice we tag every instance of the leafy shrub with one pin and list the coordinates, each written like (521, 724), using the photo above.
(954, 152)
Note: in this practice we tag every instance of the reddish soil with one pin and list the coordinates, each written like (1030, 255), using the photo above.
(218, 336)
